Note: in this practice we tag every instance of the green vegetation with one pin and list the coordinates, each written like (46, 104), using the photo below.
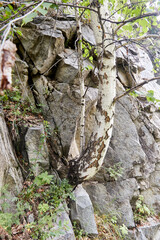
(141, 212)
(108, 227)
(16, 109)
(149, 96)
(77, 231)
(115, 171)
(43, 199)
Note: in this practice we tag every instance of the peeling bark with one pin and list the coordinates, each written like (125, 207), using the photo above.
(89, 163)
(7, 59)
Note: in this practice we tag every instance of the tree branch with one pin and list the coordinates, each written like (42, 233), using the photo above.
(15, 15)
(135, 87)
(137, 39)
(157, 13)
(8, 26)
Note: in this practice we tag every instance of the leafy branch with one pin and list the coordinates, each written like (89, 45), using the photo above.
(136, 87)
(9, 25)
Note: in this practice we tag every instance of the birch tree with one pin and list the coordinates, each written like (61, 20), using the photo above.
(86, 166)
(92, 158)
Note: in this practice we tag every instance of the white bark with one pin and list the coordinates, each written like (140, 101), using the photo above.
(90, 162)
(81, 80)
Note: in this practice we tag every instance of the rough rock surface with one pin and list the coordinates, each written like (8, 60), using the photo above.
(135, 143)
(61, 106)
(10, 174)
(114, 199)
(150, 231)
(82, 211)
(66, 233)
(20, 78)
(37, 150)
(42, 46)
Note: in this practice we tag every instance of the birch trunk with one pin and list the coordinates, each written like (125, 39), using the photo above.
(91, 160)
(81, 78)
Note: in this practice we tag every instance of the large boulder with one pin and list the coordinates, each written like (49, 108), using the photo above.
(114, 199)
(67, 70)
(61, 107)
(41, 46)
(67, 27)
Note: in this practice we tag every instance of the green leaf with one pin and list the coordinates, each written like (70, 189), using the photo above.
(42, 11)
(29, 18)
(43, 178)
(47, 5)
(150, 96)
(134, 93)
(43, 207)
(19, 32)
(128, 27)
(89, 67)
(10, 7)
(54, 6)
(124, 230)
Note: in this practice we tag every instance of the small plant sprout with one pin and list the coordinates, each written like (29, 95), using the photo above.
(115, 171)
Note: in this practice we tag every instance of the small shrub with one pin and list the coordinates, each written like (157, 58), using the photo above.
(141, 210)
(43, 199)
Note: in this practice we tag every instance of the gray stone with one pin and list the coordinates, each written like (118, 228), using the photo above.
(61, 107)
(10, 173)
(20, 78)
(87, 34)
(82, 211)
(137, 60)
(67, 70)
(124, 141)
(149, 231)
(42, 90)
(114, 199)
(42, 46)
(31, 218)
(62, 226)
(37, 150)
(152, 198)
(67, 27)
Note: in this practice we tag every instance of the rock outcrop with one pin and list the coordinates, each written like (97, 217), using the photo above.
(10, 175)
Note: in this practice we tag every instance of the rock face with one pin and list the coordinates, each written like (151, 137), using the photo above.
(133, 154)
(151, 231)
(42, 45)
(20, 78)
(10, 174)
(66, 233)
(37, 150)
(82, 211)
